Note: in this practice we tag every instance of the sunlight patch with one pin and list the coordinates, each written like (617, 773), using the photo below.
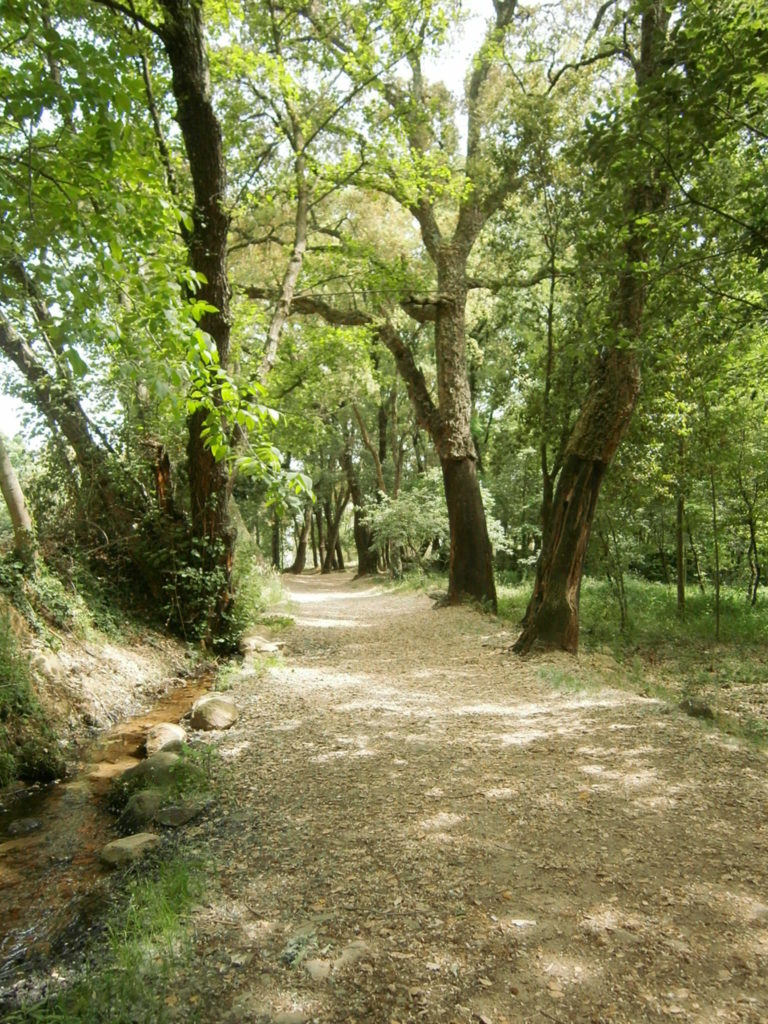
(440, 821)
(522, 737)
(335, 623)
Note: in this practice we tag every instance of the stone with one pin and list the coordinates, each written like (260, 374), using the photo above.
(214, 711)
(291, 1017)
(178, 814)
(142, 808)
(696, 708)
(124, 851)
(318, 970)
(255, 644)
(165, 736)
(357, 950)
(24, 826)
(47, 665)
(158, 769)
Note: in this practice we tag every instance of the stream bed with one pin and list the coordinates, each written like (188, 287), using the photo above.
(53, 888)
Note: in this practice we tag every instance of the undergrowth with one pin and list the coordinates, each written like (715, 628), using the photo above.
(671, 657)
(128, 972)
(28, 748)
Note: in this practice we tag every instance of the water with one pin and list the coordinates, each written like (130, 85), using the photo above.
(53, 888)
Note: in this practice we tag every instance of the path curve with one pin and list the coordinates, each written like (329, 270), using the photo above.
(420, 827)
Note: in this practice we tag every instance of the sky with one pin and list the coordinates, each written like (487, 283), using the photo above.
(450, 68)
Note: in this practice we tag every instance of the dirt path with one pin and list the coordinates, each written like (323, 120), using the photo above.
(421, 828)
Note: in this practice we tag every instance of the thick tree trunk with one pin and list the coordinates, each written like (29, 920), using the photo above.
(21, 520)
(552, 616)
(339, 556)
(470, 567)
(301, 547)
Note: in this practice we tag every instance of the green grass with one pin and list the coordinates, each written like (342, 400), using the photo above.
(28, 748)
(130, 967)
(662, 655)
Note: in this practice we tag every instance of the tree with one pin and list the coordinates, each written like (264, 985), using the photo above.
(552, 616)
(21, 520)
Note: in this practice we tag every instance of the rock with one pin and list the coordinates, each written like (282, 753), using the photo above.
(165, 736)
(696, 708)
(318, 970)
(357, 950)
(291, 1017)
(214, 711)
(47, 665)
(129, 849)
(259, 645)
(158, 769)
(178, 814)
(142, 808)
(24, 826)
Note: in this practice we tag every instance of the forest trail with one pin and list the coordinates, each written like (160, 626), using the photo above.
(420, 827)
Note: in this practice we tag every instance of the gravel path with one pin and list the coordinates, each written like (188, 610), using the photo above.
(421, 827)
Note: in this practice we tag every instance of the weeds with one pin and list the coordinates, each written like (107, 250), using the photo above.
(675, 658)
(28, 748)
(146, 941)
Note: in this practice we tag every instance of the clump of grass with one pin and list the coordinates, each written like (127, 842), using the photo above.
(126, 978)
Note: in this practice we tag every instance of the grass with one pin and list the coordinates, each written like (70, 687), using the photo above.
(126, 973)
(28, 748)
(673, 658)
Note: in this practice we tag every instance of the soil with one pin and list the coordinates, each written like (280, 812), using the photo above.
(416, 825)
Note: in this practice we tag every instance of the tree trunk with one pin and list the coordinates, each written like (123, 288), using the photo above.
(754, 562)
(301, 547)
(21, 521)
(552, 617)
(183, 37)
(716, 537)
(680, 554)
(339, 556)
(470, 566)
(320, 534)
(312, 537)
(275, 543)
(470, 569)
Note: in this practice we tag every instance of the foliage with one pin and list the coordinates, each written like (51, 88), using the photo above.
(416, 521)
(28, 748)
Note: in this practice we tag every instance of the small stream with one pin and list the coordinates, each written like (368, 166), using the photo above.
(53, 888)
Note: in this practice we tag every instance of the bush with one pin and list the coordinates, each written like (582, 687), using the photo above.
(28, 747)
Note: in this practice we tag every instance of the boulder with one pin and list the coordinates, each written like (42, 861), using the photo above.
(164, 736)
(178, 813)
(142, 808)
(129, 849)
(214, 711)
(157, 769)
